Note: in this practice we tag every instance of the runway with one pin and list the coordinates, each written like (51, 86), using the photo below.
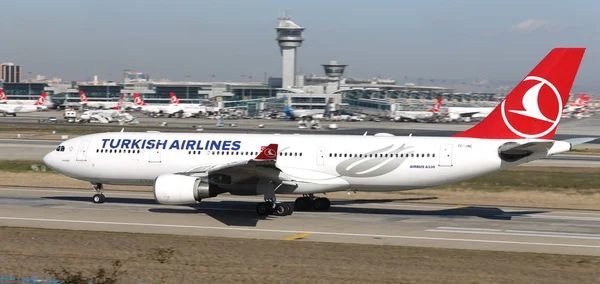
(385, 222)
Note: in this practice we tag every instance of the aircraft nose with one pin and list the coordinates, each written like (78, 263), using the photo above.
(49, 160)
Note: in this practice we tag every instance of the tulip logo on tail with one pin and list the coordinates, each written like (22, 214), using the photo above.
(41, 100)
(375, 163)
(270, 153)
(544, 90)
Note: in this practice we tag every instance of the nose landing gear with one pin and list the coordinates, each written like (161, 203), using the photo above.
(98, 197)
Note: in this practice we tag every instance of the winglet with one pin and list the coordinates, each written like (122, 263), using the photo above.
(268, 153)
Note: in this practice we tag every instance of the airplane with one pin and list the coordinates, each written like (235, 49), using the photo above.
(107, 115)
(4, 100)
(579, 105)
(13, 109)
(170, 110)
(186, 168)
(467, 113)
(85, 102)
(428, 115)
(142, 106)
(186, 110)
(294, 114)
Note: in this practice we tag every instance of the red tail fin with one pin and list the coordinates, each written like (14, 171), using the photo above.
(82, 97)
(438, 105)
(534, 107)
(120, 103)
(138, 100)
(3, 96)
(268, 153)
(41, 100)
(174, 99)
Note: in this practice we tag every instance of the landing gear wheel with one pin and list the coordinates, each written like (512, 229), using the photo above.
(303, 203)
(281, 209)
(290, 208)
(264, 208)
(98, 198)
(321, 204)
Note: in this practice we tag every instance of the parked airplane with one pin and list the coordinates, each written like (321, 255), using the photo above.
(186, 110)
(467, 113)
(13, 109)
(422, 116)
(85, 102)
(107, 115)
(151, 109)
(579, 105)
(185, 168)
(4, 100)
(305, 114)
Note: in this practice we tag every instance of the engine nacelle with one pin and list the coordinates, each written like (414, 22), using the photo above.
(180, 189)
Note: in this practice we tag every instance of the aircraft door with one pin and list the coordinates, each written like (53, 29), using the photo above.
(446, 155)
(154, 156)
(82, 151)
(320, 156)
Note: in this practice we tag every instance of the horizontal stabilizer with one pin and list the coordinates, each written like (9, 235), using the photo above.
(527, 148)
(512, 152)
(579, 141)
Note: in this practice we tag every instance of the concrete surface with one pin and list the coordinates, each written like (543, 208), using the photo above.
(374, 222)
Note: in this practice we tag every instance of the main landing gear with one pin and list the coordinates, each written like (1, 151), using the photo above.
(98, 197)
(309, 201)
(278, 209)
(304, 203)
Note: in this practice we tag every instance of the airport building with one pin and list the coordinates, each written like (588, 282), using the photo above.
(373, 96)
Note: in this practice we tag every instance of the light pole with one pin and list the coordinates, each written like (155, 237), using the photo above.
(187, 87)
(29, 90)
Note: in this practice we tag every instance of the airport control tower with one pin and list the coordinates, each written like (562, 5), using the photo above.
(333, 69)
(289, 37)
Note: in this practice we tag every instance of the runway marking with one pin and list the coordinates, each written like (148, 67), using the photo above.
(295, 232)
(298, 236)
(563, 217)
(521, 233)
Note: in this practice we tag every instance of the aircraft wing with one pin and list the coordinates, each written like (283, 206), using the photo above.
(263, 165)
(513, 151)
(469, 114)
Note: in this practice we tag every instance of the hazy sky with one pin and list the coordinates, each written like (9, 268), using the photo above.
(465, 40)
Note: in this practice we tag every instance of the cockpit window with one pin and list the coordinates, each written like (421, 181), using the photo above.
(60, 148)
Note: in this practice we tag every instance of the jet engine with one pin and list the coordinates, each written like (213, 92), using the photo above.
(181, 189)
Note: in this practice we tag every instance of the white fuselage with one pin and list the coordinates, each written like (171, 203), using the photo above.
(414, 115)
(322, 162)
(19, 108)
